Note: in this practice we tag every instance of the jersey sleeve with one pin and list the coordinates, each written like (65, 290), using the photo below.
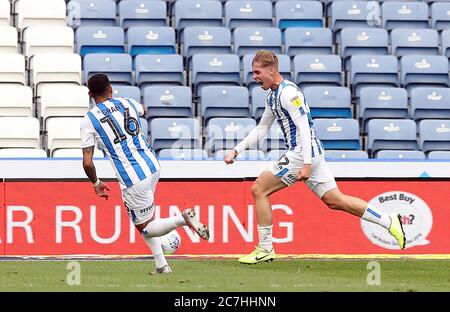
(87, 133)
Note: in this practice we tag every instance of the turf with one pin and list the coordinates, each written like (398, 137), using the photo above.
(227, 275)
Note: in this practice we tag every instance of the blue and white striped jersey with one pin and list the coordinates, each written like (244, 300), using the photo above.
(114, 124)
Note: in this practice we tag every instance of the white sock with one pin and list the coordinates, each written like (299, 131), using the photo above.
(374, 215)
(265, 237)
(155, 246)
(159, 227)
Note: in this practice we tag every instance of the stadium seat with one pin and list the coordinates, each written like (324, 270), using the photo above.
(440, 17)
(174, 133)
(258, 96)
(404, 15)
(414, 42)
(182, 154)
(317, 70)
(393, 154)
(99, 39)
(366, 41)
(274, 140)
(25, 135)
(5, 9)
(118, 67)
(445, 36)
(134, 13)
(8, 39)
(290, 14)
(159, 69)
(224, 101)
(12, 68)
(248, 40)
(75, 103)
(430, 103)
(341, 155)
(329, 102)
(168, 101)
(338, 134)
(63, 132)
(151, 40)
(225, 133)
(391, 134)
(275, 155)
(245, 155)
(373, 70)
(42, 13)
(22, 153)
(313, 41)
(75, 153)
(439, 155)
(434, 135)
(197, 13)
(284, 67)
(420, 71)
(206, 40)
(93, 12)
(47, 39)
(16, 100)
(130, 92)
(241, 13)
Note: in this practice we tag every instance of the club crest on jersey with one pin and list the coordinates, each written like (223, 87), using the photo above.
(296, 101)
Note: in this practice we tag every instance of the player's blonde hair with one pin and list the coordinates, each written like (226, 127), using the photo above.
(266, 58)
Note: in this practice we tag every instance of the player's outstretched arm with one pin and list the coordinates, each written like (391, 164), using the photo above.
(230, 156)
(100, 188)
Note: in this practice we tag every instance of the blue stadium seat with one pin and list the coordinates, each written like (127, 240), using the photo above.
(394, 154)
(420, 71)
(245, 155)
(118, 67)
(439, 155)
(340, 155)
(290, 14)
(93, 12)
(240, 13)
(430, 103)
(445, 36)
(131, 92)
(99, 39)
(258, 96)
(382, 103)
(404, 15)
(142, 13)
(274, 155)
(168, 101)
(174, 133)
(373, 70)
(224, 101)
(159, 69)
(440, 18)
(317, 70)
(207, 69)
(329, 102)
(225, 133)
(274, 140)
(206, 40)
(391, 134)
(312, 41)
(414, 41)
(248, 40)
(337, 134)
(434, 135)
(182, 154)
(284, 66)
(151, 40)
(197, 13)
(366, 41)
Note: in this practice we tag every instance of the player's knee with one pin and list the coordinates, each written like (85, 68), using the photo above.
(257, 190)
(335, 203)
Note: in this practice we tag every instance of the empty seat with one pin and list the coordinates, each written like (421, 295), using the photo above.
(206, 40)
(383, 103)
(75, 153)
(393, 154)
(329, 102)
(22, 153)
(419, 71)
(8, 39)
(224, 101)
(274, 140)
(159, 69)
(25, 135)
(142, 13)
(248, 40)
(12, 68)
(308, 41)
(241, 13)
(298, 14)
(225, 133)
(94, 12)
(430, 103)
(118, 67)
(245, 155)
(42, 13)
(151, 40)
(168, 101)
(5, 9)
(63, 132)
(99, 39)
(342, 133)
(414, 41)
(440, 16)
(373, 70)
(404, 15)
(16, 100)
(317, 70)
(334, 155)
(284, 67)
(197, 13)
(275, 154)
(47, 39)
(130, 92)
(439, 155)
(182, 154)
(445, 36)
(391, 134)
(434, 135)
(258, 96)
(174, 133)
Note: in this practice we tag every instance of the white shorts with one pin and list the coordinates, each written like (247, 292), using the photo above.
(139, 199)
(289, 165)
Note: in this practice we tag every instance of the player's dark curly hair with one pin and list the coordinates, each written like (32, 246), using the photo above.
(98, 85)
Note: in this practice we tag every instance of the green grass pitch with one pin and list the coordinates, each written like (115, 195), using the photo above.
(227, 275)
